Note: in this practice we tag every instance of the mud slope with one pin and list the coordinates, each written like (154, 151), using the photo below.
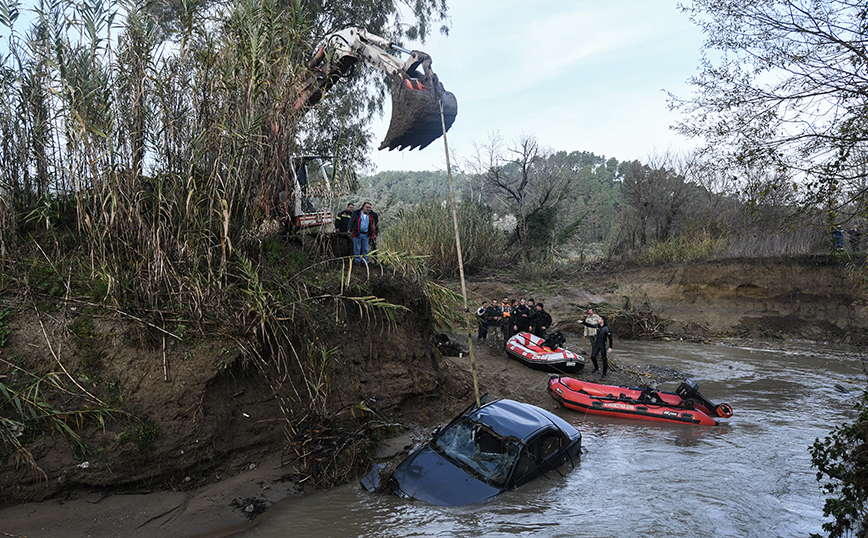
(813, 298)
(202, 411)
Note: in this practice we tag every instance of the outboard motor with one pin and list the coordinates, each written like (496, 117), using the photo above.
(554, 340)
(689, 390)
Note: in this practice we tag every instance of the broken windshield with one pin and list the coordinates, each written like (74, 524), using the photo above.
(480, 450)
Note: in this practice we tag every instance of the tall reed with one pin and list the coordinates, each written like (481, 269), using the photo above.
(427, 230)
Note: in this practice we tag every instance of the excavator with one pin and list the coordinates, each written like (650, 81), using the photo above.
(421, 108)
(416, 96)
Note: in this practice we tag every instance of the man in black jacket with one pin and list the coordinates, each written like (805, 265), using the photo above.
(603, 333)
(542, 320)
(342, 221)
(521, 317)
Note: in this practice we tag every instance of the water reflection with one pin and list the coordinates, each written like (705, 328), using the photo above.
(750, 476)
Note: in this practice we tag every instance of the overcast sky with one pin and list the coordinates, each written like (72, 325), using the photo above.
(579, 75)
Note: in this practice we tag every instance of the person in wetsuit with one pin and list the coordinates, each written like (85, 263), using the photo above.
(603, 333)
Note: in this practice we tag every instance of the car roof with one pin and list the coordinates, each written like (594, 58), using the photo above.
(508, 417)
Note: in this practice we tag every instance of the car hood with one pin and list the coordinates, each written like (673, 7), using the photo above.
(430, 477)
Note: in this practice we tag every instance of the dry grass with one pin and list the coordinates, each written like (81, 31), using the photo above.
(428, 231)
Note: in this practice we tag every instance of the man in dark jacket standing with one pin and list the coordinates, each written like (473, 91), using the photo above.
(603, 333)
(363, 227)
(521, 317)
(542, 320)
(342, 221)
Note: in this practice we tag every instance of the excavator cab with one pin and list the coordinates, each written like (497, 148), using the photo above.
(303, 196)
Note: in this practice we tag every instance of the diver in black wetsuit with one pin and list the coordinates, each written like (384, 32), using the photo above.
(603, 332)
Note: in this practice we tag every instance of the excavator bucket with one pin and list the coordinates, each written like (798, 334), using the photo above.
(416, 118)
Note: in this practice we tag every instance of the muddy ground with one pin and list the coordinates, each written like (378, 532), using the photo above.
(220, 457)
(231, 502)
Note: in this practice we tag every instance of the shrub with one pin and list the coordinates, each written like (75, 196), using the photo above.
(427, 230)
(843, 457)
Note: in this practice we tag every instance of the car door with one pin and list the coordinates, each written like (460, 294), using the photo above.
(541, 454)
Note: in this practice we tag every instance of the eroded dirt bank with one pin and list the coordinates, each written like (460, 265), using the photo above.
(218, 453)
(814, 298)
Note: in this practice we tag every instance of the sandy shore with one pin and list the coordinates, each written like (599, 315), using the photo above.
(215, 510)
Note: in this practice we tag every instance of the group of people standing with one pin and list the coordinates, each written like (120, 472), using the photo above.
(854, 236)
(364, 226)
(520, 315)
(529, 316)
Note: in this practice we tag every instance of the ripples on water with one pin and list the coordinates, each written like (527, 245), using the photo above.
(750, 476)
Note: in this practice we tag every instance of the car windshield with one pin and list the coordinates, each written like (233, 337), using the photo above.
(479, 450)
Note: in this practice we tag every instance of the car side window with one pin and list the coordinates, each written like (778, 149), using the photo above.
(549, 443)
(536, 451)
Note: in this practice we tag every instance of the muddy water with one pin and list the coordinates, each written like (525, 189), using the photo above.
(750, 476)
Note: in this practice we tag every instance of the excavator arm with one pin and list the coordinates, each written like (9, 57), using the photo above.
(417, 96)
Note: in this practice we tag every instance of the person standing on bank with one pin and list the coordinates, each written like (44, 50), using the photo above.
(505, 313)
(342, 221)
(603, 333)
(838, 234)
(590, 333)
(375, 230)
(495, 314)
(520, 317)
(363, 228)
(542, 320)
(482, 314)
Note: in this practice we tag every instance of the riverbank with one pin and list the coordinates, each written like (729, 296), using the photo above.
(232, 503)
(220, 457)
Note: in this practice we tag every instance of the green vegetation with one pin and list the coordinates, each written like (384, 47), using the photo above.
(841, 460)
(558, 211)
(138, 138)
(428, 231)
(4, 326)
(140, 436)
(26, 408)
(683, 249)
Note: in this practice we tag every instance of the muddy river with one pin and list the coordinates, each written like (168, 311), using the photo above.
(750, 476)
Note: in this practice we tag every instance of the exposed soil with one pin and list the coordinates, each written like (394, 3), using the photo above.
(219, 454)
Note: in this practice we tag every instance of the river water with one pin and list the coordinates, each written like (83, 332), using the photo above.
(750, 476)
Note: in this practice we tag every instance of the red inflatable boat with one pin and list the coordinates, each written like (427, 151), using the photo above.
(684, 406)
(546, 354)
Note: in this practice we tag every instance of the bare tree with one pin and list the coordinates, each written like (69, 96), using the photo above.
(526, 178)
(783, 85)
(657, 194)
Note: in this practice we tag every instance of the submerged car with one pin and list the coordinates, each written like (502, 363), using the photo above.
(485, 451)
